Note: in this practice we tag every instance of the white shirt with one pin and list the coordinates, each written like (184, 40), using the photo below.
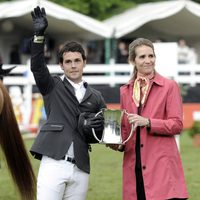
(79, 93)
(79, 90)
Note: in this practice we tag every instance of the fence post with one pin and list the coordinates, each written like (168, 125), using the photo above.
(27, 95)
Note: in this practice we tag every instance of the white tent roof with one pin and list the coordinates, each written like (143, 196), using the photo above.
(175, 17)
(60, 19)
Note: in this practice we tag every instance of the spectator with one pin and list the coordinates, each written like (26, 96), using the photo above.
(186, 54)
(122, 53)
(15, 55)
(192, 57)
(183, 52)
(1, 60)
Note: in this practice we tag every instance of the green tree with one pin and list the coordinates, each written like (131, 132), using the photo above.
(101, 9)
(95, 8)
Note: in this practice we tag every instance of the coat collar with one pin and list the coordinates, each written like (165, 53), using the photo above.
(71, 89)
(68, 86)
(88, 91)
(158, 79)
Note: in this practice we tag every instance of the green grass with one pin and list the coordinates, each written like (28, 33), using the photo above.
(191, 162)
(106, 168)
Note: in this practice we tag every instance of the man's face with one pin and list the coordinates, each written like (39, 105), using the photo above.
(73, 65)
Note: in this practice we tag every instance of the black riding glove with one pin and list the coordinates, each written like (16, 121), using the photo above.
(87, 121)
(40, 22)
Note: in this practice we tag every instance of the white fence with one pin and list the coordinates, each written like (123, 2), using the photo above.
(188, 74)
(105, 74)
(99, 74)
(110, 74)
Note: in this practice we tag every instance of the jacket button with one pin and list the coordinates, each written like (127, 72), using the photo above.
(144, 167)
(141, 145)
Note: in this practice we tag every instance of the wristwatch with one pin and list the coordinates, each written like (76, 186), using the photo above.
(149, 124)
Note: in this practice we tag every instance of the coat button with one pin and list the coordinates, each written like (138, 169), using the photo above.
(141, 145)
(144, 167)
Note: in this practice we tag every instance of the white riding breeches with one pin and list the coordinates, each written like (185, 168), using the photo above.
(61, 180)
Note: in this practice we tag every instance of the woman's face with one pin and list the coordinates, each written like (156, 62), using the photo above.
(144, 60)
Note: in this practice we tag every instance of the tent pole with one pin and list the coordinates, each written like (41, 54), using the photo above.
(114, 49)
(107, 51)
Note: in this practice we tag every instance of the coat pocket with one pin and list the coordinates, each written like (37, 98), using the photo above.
(52, 127)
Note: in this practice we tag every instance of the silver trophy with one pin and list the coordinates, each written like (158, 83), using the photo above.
(112, 127)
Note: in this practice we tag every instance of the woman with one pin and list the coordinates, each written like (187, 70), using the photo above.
(152, 168)
(13, 148)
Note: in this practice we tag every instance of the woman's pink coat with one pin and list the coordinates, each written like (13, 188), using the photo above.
(161, 164)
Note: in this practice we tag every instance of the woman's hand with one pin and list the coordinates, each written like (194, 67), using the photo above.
(137, 120)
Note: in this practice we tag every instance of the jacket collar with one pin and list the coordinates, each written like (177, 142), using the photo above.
(158, 79)
(71, 89)
(68, 85)
(88, 91)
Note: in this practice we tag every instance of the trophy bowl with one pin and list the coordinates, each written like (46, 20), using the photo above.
(112, 127)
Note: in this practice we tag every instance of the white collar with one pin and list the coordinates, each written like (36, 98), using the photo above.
(76, 85)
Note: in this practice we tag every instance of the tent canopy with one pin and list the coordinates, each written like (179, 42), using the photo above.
(168, 18)
(62, 21)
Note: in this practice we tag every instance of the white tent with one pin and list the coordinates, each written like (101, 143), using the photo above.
(64, 24)
(61, 20)
(168, 19)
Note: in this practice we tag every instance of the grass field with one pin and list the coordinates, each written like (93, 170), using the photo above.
(105, 179)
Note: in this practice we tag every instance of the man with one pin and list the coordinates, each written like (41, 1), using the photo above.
(70, 104)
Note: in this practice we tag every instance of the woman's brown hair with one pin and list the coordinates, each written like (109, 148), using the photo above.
(13, 148)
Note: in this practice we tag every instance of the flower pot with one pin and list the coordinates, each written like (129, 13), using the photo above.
(196, 140)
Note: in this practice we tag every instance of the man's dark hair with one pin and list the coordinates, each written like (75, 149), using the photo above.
(71, 47)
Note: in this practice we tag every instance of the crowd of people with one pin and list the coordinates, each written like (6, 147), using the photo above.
(95, 52)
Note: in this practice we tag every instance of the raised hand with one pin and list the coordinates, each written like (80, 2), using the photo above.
(40, 22)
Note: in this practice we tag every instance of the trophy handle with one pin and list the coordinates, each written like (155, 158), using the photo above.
(131, 133)
(93, 131)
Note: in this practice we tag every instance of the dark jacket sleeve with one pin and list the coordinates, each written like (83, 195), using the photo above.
(42, 76)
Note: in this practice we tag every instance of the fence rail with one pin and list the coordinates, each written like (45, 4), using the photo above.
(108, 75)
(105, 74)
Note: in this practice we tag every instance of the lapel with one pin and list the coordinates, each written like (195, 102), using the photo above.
(69, 86)
(88, 91)
(70, 89)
